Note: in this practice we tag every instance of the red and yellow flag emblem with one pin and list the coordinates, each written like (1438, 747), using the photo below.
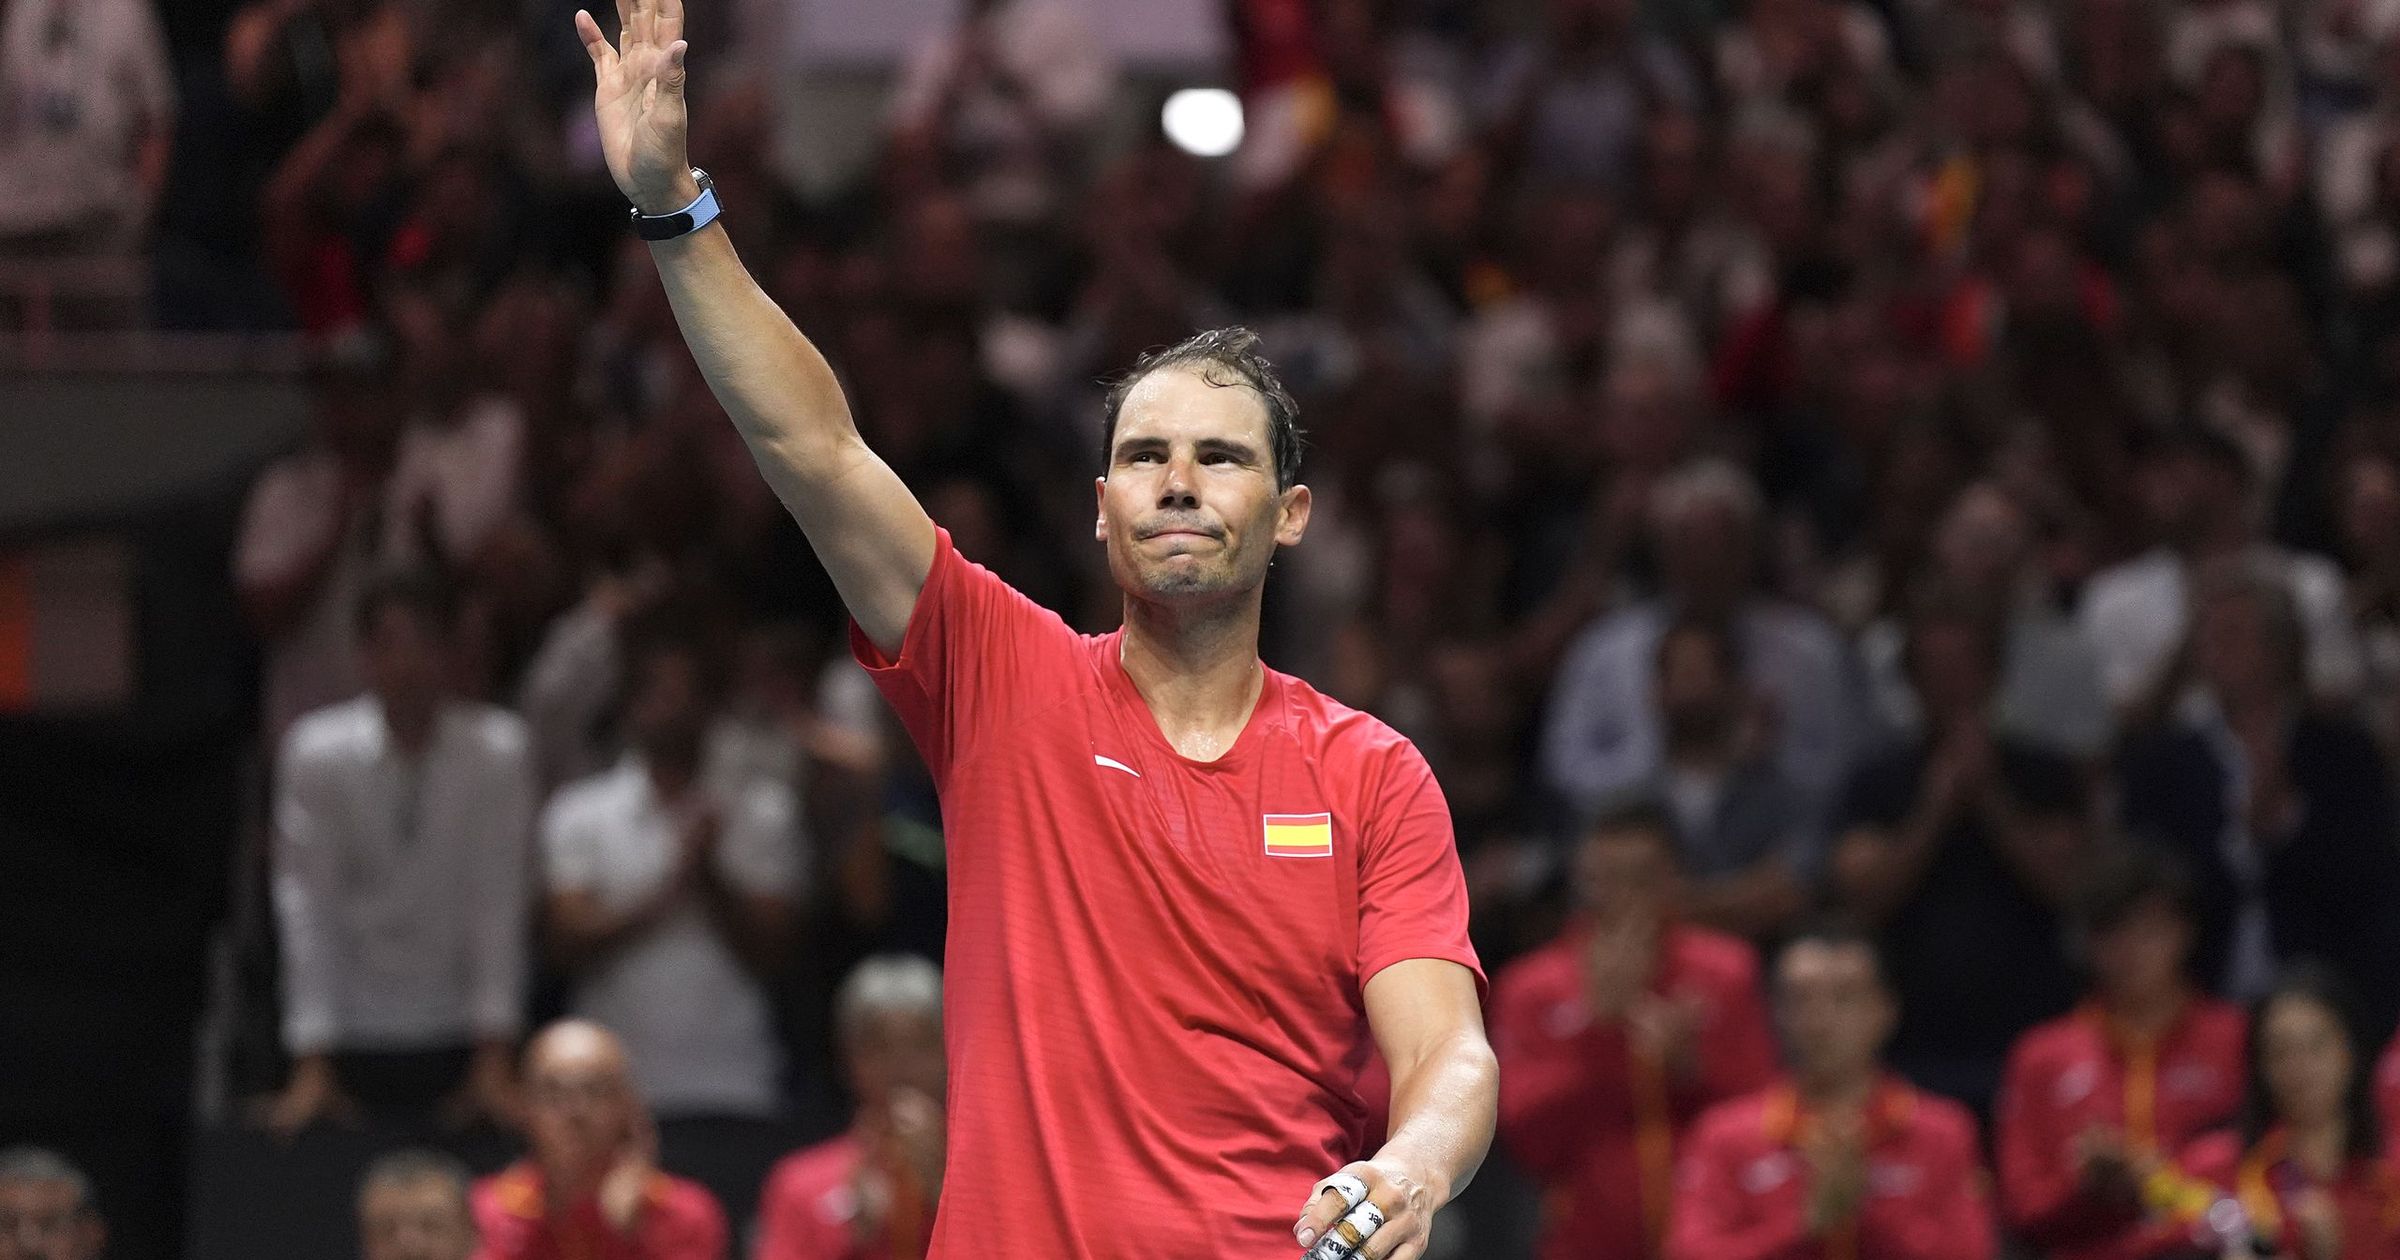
(1299, 835)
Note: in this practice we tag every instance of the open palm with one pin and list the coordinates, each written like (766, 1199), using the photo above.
(638, 98)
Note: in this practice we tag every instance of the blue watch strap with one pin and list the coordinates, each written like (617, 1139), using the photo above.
(666, 227)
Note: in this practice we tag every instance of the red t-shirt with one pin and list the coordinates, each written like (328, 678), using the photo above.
(2076, 1073)
(1594, 1124)
(1155, 969)
(1743, 1184)
(679, 1220)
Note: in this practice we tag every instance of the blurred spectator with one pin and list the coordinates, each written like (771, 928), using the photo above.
(1614, 1036)
(2307, 1161)
(1959, 846)
(869, 1194)
(2095, 1099)
(2199, 496)
(1602, 738)
(1750, 848)
(2367, 515)
(2285, 815)
(412, 1205)
(1002, 102)
(312, 530)
(1573, 98)
(670, 897)
(1842, 1157)
(87, 116)
(402, 822)
(591, 1186)
(46, 1208)
(2049, 689)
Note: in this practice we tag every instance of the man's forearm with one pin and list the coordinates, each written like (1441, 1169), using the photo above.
(1443, 1110)
(780, 392)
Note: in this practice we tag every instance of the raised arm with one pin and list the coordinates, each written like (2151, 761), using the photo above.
(866, 527)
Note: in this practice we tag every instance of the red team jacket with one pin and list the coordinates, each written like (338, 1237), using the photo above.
(1742, 1191)
(809, 1209)
(1594, 1125)
(2077, 1073)
(1155, 965)
(2367, 1196)
(679, 1221)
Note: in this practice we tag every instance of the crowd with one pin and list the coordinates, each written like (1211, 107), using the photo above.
(1884, 516)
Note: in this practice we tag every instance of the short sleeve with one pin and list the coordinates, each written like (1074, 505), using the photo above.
(760, 852)
(976, 654)
(1412, 896)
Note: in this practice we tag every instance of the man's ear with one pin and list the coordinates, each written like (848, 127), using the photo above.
(1292, 516)
(1099, 509)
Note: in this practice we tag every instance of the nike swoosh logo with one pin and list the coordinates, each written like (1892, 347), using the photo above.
(1114, 764)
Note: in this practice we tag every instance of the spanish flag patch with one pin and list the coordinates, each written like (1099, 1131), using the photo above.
(1300, 835)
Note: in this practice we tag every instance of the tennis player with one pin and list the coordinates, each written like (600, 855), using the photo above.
(1187, 893)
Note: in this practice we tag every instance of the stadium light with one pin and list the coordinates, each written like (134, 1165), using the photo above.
(1204, 122)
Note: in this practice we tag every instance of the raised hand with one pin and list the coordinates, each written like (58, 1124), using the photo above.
(638, 98)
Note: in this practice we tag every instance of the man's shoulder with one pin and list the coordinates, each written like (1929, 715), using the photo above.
(604, 792)
(346, 731)
(811, 1171)
(492, 730)
(1717, 958)
(1554, 969)
(1940, 1121)
(2054, 1043)
(1739, 1122)
(1335, 733)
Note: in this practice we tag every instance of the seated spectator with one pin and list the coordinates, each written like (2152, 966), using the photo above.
(591, 1187)
(46, 1208)
(412, 1205)
(670, 897)
(2307, 1162)
(1843, 1157)
(1749, 847)
(870, 1193)
(401, 824)
(1602, 739)
(1614, 1036)
(2286, 817)
(2049, 691)
(88, 100)
(2095, 1099)
(1959, 848)
(2198, 492)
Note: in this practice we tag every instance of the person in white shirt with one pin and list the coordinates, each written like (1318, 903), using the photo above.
(672, 895)
(400, 870)
(2197, 487)
(87, 116)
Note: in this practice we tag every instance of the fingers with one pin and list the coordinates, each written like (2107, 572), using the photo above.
(669, 22)
(1402, 1238)
(673, 79)
(595, 44)
(643, 26)
(1320, 1215)
(626, 31)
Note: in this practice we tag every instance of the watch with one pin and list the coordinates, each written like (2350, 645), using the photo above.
(666, 227)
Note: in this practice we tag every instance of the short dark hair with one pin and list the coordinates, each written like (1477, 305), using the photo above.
(410, 1165)
(1838, 931)
(421, 592)
(2120, 880)
(1225, 357)
(2313, 981)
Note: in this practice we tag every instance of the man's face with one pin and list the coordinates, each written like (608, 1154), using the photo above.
(1704, 552)
(1189, 508)
(1624, 871)
(896, 1049)
(44, 1220)
(1836, 1013)
(407, 657)
(1952, 676)
(421, 1219)
(2306, 1058)
(669, 709)
(2142, 954)
(1982, 541)
(581, 1113)
(1695, 692)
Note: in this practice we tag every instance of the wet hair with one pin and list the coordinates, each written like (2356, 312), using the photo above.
(2312, 981)
(41, 1164)
(422, 593)
(1225, 358)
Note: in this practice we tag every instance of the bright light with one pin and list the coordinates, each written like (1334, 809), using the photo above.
(1204, 122)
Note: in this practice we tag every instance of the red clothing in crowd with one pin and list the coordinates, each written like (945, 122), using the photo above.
(1743, 1183)
(2367, 1197)
(2079, 1073)
(1156, 966)
(1594, 1121)
(809, 1210)
(679, 1220)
